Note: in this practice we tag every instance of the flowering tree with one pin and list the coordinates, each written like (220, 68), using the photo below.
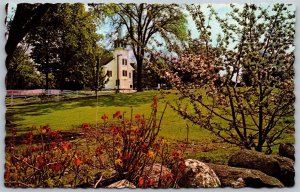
(240, 88)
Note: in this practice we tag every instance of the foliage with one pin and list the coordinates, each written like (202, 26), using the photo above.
(66, 45)
(247, 115)
(97, 78)
(21, 72)
(127, 146)
(142, 22)
(27, 17)
(42, 162)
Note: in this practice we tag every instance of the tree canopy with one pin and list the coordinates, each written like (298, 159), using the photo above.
(66, 45)
(142, 22)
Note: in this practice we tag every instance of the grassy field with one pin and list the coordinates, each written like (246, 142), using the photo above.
(67, 115)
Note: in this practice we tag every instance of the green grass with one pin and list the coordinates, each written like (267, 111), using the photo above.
(67, 115)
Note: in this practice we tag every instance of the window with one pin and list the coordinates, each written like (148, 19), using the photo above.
(124, 61)
(124, 73)
(129, 75)
(109, 73)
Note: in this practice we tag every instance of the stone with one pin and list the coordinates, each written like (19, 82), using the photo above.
(241, 177)
(158, 173)
(287, 150)
(122, 184)
(198, 174)
(287, 170)
(280, 167)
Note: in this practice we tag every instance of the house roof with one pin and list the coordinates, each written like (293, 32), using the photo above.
(106, 59)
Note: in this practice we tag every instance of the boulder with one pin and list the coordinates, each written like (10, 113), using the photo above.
(158, 176)
(122, 184)
(242, 177)
(280, 167)
(287, 171)
(198, 174)
(287, 150)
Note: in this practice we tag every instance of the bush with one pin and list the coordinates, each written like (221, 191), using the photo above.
(115, 149)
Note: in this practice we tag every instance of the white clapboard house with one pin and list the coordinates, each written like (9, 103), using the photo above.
(119, 69)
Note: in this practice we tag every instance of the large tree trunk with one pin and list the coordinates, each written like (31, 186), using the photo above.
(139, 59)
(139, 84)
(26, 18)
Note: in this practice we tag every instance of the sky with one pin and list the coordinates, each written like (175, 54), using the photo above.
(221, 10)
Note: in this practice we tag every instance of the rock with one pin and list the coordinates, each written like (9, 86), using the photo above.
(280, 167)
(158, 172)
(242, 177)
(287, 150)
(122, 184)
(287, 171)
(198, 174)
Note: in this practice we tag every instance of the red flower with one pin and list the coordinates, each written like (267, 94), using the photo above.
(114, 130)
(141, 182)
(117, 115)
(138, 117)
(85, 126)
(104, 117)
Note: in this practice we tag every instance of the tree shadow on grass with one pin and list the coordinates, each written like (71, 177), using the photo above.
(14, 114)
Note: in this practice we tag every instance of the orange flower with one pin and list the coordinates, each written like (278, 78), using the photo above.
(151, 153)
(104, 117)
(66, 147)
(119, 162)
(77, 162)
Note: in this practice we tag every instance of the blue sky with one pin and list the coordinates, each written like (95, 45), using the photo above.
(221, 10)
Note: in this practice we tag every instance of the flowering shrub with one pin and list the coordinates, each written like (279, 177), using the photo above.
(243, 94)
(118, 148)
(131, 146)
(42, 163)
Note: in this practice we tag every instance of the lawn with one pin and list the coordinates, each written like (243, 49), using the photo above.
(68, 115)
